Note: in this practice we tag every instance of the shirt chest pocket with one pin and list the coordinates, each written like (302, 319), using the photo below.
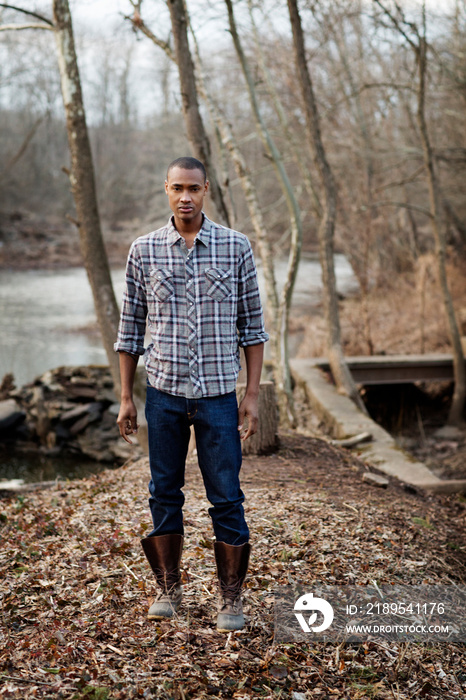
(219, 283)
(162, 284)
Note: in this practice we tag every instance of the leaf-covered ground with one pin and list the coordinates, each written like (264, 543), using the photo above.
(75, 586)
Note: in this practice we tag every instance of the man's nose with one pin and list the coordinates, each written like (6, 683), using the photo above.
(186, 196)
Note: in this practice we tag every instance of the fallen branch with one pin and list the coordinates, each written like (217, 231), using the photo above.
(352, 441)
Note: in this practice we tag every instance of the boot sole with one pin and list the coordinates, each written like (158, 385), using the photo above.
(171, 612)
(232, 626)
(163, 617)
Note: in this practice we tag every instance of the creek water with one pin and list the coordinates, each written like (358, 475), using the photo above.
(47, 320)
(47, 317)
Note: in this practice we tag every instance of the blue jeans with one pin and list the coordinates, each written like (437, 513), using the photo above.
(215, 421)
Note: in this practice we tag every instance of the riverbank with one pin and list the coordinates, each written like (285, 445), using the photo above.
(29, 242)
(68, 412)
(75, 585)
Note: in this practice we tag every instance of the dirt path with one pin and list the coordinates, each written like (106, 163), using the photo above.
(75, 586)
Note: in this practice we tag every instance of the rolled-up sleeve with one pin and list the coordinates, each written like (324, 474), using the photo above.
(250, 322)
(132, 327)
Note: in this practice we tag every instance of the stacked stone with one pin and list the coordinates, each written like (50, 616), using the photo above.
(66, 410)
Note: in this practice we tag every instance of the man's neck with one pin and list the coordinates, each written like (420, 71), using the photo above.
(188, 231)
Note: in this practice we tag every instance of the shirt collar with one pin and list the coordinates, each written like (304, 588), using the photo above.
(203, 236)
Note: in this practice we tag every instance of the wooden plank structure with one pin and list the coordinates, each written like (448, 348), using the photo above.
(397, 369)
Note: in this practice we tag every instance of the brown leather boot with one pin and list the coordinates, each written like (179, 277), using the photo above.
(232, 565)
(163, 553)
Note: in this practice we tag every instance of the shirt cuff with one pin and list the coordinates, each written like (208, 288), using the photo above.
(253, 339)
(130, 348)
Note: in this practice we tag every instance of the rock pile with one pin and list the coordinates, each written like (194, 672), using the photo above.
(69, 410)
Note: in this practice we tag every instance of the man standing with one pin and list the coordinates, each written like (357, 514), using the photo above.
(194, 283)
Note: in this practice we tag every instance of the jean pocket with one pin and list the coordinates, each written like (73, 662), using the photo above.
(219, 283)
(162, 283)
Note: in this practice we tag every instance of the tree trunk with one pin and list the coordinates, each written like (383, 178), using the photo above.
(265, 440)
(298, 150)
(360, 261)
(282, 373)
(455, 416)
(196, 132)
(83, 187)
(340, 371)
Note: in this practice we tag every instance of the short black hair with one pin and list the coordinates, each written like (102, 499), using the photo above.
(188, 163)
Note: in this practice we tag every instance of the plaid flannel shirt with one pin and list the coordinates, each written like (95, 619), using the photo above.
(200, 307)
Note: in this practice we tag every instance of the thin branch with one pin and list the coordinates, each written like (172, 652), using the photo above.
(367, 86)
(451, 155)
(398, 25)
(17, 27)
(400, 183)
(22, 149)
(403, 205)
(27, 12)
(139, 25)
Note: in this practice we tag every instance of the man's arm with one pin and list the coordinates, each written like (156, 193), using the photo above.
(248, 407)
(127, 417)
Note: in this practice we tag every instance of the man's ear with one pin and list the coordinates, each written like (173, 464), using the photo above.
(206, 187)
(166, 186)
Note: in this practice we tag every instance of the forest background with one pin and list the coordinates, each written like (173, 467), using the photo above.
(381, 179)
(385, 166)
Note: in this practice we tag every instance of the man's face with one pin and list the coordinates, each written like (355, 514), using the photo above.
(186, 190)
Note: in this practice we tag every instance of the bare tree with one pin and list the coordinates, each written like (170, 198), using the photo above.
(284, 385)
(337, 361)
(417, 40)
(83, 186)
(359, 255)
(368, 103)
(197, 135)
(82, 181)
(298, 150)
(195, 126)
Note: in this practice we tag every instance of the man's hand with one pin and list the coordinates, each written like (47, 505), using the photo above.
(127, 419)
(248, 409)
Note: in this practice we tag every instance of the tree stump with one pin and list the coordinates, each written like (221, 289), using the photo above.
(266, 438)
